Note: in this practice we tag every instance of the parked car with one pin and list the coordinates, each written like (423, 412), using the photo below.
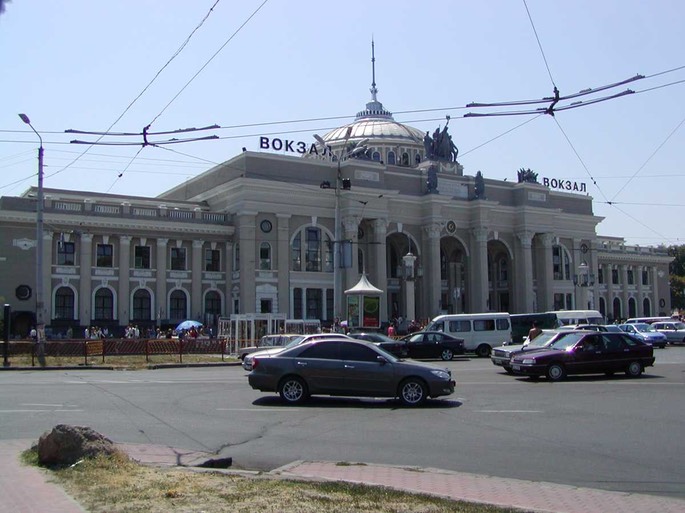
(585, 352)
(268, 341)
(396, 347)
(592, 327)
(645, 332)
(247, 361)
(349, 367)
(501, 356)
(673, 330)
(433, 344)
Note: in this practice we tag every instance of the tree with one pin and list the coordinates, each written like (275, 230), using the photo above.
(676, 271)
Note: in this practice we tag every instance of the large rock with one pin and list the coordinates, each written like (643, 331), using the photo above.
(65, 445)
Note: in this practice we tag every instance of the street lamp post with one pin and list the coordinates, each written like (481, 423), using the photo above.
(40, 306)
(360, 147)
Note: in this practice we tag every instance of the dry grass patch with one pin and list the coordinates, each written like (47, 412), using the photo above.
(118, 485)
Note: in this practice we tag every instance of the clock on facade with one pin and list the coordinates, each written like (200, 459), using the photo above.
(583, 248)
(266, 226)
(451, 227)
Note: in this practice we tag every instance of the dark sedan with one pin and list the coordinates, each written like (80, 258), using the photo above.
(433, 344)
(391, 345)
(347, 368)
(586, 353)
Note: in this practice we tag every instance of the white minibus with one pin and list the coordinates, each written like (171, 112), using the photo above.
(481, 332)
(570, 317)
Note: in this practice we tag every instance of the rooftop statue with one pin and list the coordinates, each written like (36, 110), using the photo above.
(440, 147)
(527, 175)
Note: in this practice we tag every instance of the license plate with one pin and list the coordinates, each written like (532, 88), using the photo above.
(516, 367)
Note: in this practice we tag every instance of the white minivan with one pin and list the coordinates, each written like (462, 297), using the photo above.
(481, 332)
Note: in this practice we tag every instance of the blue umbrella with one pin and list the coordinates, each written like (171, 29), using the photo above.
(186, 325)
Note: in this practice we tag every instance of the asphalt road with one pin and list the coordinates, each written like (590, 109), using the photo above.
(609, 433)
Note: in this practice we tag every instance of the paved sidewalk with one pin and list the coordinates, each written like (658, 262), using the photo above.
(25, 489)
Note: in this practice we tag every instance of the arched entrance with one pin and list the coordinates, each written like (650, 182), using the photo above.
(453, 276)
(499, 276)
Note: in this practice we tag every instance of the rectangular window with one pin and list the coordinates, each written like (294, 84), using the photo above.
(265, 256)
(631, 278)
(645, 277)
(460, 326)
(313, 250)
(212, 260)
(65, 253)
(600, 275)
(313, 304)
(329, 304)
(104, 256)
(178, 259)
(502, 324)
(614, 276)
(141, 258)
(297, 303)
(559, 302)
(556, 263)
(484, 325)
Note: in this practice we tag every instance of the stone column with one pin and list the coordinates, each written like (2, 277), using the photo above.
(479, 292)
(523, 274)
(47, 277)
(161, 306)
(247, 238)
(655, 291)
(380, 269)
(350, 275)
(283, 264)
(432, 269)
(124, 303)
(86, 264)
(228, 288)
(196, 260)
(640, 292)
(546, 273)
(624, 290)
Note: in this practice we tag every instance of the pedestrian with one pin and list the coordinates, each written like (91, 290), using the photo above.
(534, 331)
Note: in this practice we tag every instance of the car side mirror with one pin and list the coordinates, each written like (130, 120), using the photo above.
(382, 359)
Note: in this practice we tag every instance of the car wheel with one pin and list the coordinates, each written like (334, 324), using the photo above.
(447, 354)
(634, 369)
(293, 390)
(483, 351)
(413, 392)
(556, 372)
(509, 371)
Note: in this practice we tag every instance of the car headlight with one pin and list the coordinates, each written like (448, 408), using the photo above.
(528, 361)
(440, 374)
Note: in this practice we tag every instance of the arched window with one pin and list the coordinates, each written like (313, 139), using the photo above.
(64, 303)
(646, 307)
(561, 263)
(502, 270)
(603, 307)
(405, 159)
(617, 309)
(632, 307)
(213, 303)
(311, 251)
(391, 158)
(104, 305)
(265, 256)
(417, 158)
(376, 156)
(142, 305)
(178, 305)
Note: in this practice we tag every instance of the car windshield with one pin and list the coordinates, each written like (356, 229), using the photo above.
(644, 328)
(613, 328)
(541, 340)
(294, 342)
(567, 342)
(379, 337)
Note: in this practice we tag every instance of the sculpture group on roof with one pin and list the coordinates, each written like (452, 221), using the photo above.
(440, 147)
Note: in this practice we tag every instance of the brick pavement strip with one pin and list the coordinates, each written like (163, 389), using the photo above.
(525, 495)
(26, 489)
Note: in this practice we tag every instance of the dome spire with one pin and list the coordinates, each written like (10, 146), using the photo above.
(374, 109)
(374, 90)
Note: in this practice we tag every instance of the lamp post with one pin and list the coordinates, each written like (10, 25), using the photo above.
(40, 306)
(409, 260)
(583, 279)
(340, 183)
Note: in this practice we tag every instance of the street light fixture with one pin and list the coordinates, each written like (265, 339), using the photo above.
(40, 306)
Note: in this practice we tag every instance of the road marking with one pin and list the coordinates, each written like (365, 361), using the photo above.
(508, 411)
(36, 411)
(257, 409)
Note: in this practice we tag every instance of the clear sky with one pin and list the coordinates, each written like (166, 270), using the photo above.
(80, 64)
